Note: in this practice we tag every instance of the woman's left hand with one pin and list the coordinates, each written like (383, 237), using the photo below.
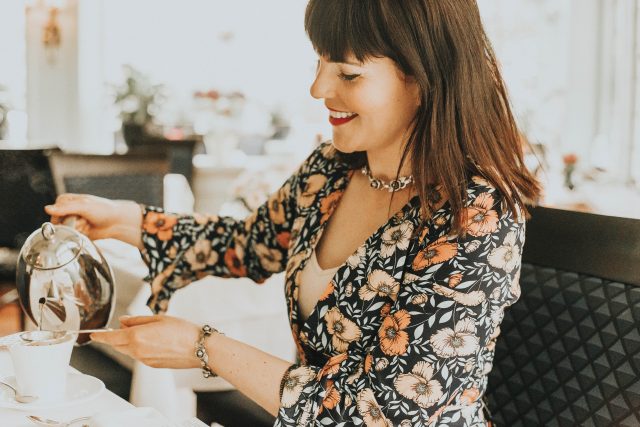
(158, 341)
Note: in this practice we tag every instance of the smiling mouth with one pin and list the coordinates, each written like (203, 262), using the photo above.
(337, 118)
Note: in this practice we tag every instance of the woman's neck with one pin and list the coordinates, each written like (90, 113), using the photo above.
(384, 163)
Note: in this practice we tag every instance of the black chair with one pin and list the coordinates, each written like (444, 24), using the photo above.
(179, 153)
(26, 186)
(231, 409)
(129, 176)
(147, 189)
(569, 350)
(136, 175)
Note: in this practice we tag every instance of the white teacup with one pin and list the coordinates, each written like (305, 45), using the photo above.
(41, 364)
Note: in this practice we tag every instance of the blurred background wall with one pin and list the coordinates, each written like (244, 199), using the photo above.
(237, 73)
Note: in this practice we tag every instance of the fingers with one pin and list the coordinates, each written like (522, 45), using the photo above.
(71, 210)
(128, 321)
(67, 204)
(79, 223)
(56, 219)
(117, 338)
(124, 350)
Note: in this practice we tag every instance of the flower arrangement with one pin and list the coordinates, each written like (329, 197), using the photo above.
(137, 99)
(280, 125)
(225, 104)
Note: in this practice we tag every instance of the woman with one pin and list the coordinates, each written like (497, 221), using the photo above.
(401, 239)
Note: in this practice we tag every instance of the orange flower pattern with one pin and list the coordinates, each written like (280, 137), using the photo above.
(406, 330)
(234, 264)
(419, 385)
(436, 253)
(393, 337)
(328, 291)
(332, 365)
(332, 396)
(367, 363)
(328, 205)
(342, 330)
(159, 224)
(481, 218)
(370, 410)
(283, 239)
(276, 205)
(379, 283)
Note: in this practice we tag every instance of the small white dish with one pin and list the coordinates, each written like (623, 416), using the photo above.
(80, 388)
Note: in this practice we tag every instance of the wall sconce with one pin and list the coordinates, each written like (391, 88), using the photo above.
(51, 33)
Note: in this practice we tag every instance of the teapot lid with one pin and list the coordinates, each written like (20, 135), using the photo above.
(51, 246)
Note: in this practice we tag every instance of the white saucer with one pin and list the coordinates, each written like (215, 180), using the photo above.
(8, 340)
(80, 388)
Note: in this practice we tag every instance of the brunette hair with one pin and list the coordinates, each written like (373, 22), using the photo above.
(464, 125)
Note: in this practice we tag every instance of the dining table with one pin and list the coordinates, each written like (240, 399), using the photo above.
(102, 402)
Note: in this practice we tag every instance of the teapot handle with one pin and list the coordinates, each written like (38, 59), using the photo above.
(48, 229)
(70, 221)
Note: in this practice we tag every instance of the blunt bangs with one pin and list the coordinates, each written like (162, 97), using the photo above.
(338, 28)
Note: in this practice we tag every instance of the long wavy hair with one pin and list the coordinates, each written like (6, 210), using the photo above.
(464, 125)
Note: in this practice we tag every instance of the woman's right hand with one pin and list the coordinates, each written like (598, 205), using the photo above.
(100, 218)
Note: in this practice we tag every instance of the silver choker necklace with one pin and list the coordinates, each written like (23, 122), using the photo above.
(392, 186)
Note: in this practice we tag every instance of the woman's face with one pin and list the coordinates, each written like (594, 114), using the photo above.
(371, 104)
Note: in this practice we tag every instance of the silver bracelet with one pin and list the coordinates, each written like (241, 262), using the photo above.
(201, 350)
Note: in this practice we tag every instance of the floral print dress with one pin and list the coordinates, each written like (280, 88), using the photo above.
(404, 333)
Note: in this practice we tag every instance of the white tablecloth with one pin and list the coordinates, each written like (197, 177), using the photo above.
(106, 401)
(254, 314)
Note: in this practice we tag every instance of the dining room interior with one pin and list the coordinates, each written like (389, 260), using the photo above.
(204, 106)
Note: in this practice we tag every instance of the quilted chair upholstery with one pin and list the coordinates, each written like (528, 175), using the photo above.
(569, 351)
(147, 189)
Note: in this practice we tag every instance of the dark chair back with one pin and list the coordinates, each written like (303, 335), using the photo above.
(569, 350)
(147, 189)
(26, 186)
(136, 177)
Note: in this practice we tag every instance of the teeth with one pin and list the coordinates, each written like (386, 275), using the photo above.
(340, 115)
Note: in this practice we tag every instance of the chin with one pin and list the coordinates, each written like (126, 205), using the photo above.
(343, 146)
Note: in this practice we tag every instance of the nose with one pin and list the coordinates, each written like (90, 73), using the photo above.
(321, 88)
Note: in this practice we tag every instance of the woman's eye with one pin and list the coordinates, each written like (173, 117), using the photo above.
(348, 77)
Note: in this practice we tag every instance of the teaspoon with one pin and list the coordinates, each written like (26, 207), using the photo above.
(19, 397)
(54, 423)
(35, 336)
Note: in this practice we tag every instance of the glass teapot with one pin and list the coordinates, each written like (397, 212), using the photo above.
(64, 282)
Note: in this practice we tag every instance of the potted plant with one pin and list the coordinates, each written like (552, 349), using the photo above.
(137, 99)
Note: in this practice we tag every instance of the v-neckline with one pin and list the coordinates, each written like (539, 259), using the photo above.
(316, 236)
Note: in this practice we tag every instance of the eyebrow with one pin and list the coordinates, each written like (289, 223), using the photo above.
(356, 64)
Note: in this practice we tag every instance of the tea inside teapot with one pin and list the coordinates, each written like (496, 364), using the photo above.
(64, 282)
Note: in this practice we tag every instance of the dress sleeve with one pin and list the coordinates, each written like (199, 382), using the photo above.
(181, 248)
(428, 361)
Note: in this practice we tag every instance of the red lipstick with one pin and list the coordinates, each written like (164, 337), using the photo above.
(340, 121)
